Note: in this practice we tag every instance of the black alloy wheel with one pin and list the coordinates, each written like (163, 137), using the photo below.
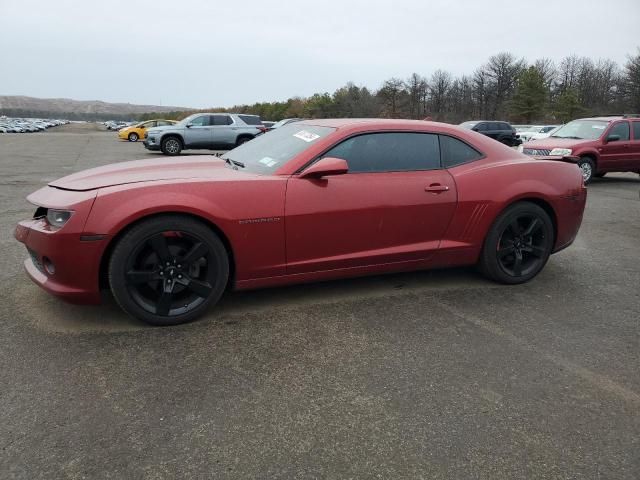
(518, 244)
(169, 271)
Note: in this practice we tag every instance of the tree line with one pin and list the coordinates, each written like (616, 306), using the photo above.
(505, 87)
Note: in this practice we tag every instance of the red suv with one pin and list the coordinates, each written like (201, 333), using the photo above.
(603, 144)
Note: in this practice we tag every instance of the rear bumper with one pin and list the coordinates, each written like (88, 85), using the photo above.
(74, 275)
(570, 210)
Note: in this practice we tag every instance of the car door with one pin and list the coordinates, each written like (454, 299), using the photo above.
(224, 132)
(393, 205)
(616, 154)
(199, 132)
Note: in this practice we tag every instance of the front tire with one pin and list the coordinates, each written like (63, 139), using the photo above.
(518, 244)
(168, 270)
(171, 146)
(133, 137)
(588, 167)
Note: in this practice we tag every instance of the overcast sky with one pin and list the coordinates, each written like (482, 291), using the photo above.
(198, 53)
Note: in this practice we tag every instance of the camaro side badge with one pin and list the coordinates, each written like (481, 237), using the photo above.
(259, 220)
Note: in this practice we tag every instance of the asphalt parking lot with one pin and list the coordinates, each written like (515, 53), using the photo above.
(424, 375)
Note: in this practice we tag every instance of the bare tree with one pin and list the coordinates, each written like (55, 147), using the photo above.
(502, 70)
(417, 89)
(392, 93)
(438, 92)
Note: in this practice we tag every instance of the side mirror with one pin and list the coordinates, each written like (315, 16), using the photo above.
(189, 125)
(475, 129)
(613, 138)
(326, 166)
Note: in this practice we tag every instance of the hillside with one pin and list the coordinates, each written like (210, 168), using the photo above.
(68, 108)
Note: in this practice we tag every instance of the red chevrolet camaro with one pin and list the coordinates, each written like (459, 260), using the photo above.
(313, 200)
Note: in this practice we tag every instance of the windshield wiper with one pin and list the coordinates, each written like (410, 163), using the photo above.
(234, 163)
(568, 136)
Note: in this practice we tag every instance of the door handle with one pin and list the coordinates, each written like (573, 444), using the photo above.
(436, 188)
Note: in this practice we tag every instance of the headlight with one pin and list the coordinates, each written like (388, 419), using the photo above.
(560, 152)
(57, 218)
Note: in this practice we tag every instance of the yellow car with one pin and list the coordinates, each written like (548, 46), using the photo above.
(135, 132)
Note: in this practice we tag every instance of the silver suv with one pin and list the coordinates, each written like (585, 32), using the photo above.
(204, 131)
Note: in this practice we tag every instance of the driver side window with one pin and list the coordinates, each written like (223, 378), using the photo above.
(389, 152)
(201, 121)
(622, 130)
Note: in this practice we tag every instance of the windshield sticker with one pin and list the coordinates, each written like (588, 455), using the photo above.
(599, 127)
(306, 136)
(266, 161)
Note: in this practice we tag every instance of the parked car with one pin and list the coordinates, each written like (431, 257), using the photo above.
(500, 131)
(310, 201)
(601, 145)
(535, 131)
(545, 132)
(285, 121)
(134, 132)
(204, 131)
(27, 125)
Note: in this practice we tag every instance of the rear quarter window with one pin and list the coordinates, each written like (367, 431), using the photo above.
(636, 130)
(222, 120)
(456, 152)
(251, 119)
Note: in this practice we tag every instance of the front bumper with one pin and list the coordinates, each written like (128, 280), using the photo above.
(151, 143)
(76, 262)
(71, 254)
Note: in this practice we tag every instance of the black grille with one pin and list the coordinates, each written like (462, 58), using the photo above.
(36, 260)
(535, 151)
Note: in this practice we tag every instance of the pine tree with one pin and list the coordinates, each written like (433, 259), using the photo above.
(530, 97)
(568, 106)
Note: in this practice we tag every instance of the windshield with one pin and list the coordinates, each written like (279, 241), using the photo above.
(582, 130)
(266, 153)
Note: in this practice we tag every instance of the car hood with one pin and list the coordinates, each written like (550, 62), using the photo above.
(201, 166)
(551, 143)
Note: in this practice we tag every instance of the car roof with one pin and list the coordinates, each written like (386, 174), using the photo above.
(379, 122)
(605, 119)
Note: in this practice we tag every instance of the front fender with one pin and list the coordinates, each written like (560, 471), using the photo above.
(258, 246)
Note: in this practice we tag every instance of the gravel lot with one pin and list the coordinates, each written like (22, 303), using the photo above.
(425, 375)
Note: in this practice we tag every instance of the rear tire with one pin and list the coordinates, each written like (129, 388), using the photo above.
(171, 146)
(588, 167)
(518, 244)
(168, 270)
(242, 140)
